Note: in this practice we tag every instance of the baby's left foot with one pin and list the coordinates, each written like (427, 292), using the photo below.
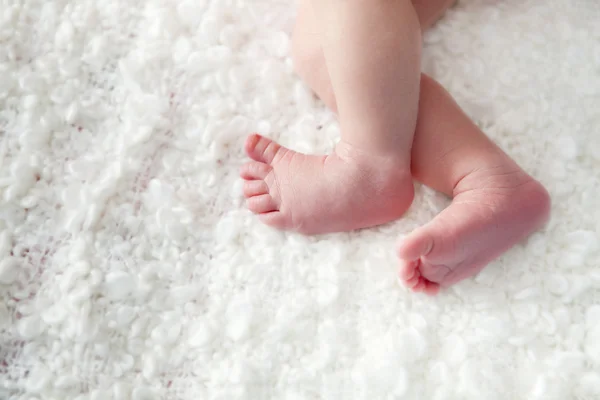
(346, 190)
(492, 210)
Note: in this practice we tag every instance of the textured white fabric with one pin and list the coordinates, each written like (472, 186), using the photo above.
(130, 269)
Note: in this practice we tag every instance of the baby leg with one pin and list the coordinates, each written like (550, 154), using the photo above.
(495, 203)
(309, 59)
(372, 52)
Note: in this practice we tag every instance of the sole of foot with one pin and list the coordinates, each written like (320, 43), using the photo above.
(491, 212)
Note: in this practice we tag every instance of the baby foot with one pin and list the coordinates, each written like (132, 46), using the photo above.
(492, 210)
(346, 190)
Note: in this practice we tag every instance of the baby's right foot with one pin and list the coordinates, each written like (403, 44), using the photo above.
(344, 191)
(493, 209)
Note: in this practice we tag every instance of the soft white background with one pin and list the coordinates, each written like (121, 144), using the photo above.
(130, 269)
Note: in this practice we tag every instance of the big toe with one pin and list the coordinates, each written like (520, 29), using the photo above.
(261, 149)
(416, 245)
(255, 188)
(416, 273)
(264, 203)
(275, 219)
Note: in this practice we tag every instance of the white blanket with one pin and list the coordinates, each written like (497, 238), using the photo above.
(129, 268)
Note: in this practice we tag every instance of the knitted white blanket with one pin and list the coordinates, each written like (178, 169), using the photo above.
(129, 268)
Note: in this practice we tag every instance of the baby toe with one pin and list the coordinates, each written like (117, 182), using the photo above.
(261, 149)
(420, 285)
(275, 219)
(255, 188)
(262, 204)
(412, 282)
(407, 269)
(255, 170)
(435, 273)
(431, 288)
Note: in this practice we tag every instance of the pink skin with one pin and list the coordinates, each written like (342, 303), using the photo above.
(492, 210)
(366, 181)
(495, 203)
(343, 191)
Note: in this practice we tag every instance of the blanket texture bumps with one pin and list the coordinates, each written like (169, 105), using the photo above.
(129, 268)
